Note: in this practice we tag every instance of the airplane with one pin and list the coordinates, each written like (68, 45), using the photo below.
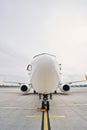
(45, 73)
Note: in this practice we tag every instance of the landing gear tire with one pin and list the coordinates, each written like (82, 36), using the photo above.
(47, 106)
(34, 92)
(51, 96)
(43, 104)
(55, 92)
(39, 96)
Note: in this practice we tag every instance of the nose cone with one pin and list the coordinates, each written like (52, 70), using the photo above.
(45, 63)
(44, 76)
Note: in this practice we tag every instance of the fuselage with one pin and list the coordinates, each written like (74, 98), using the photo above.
(45, 73)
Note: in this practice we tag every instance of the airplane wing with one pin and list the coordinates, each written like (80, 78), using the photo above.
(24, 87)
(20, 83)
(66, 86)
(78, 81)
(14, 82)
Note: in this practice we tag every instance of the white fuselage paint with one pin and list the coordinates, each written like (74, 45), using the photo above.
(45, 73)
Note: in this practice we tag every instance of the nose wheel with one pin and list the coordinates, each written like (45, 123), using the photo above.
(45, 105)
(45, 102)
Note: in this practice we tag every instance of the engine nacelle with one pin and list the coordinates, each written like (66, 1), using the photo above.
(65, 88)
(25, 88)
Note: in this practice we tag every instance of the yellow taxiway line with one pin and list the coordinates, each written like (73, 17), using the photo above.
(33, 116)
(70, 105)
(27, 108)
(57, 117)
(45, 121)
(17, 108)
(38, 116)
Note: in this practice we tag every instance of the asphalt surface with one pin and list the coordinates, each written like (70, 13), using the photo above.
(21, 112)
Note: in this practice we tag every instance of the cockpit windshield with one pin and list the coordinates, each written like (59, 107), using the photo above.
(43, 54)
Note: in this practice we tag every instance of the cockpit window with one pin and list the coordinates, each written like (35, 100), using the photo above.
(43, 54)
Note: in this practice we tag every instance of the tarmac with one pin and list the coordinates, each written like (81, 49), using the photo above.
(22, 112)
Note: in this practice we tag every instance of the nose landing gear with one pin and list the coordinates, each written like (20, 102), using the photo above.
(45, 105)
(45, 102)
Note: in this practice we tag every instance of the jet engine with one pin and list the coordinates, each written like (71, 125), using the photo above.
(65, 88)
(25, 88)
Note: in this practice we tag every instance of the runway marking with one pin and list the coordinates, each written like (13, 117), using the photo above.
(69, 105)
(35, 116)
(38, 116)
(57, 117)
(17, 108)
(27, 108)
(45, 121)
(78, 104)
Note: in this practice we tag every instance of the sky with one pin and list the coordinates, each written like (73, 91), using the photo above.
(30, 27)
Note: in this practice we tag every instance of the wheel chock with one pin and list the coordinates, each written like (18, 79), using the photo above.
(43, 109)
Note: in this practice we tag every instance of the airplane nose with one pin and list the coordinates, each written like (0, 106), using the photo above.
(46, 63)
(44, 77)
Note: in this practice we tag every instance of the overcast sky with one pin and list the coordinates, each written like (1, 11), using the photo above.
(30, 27)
